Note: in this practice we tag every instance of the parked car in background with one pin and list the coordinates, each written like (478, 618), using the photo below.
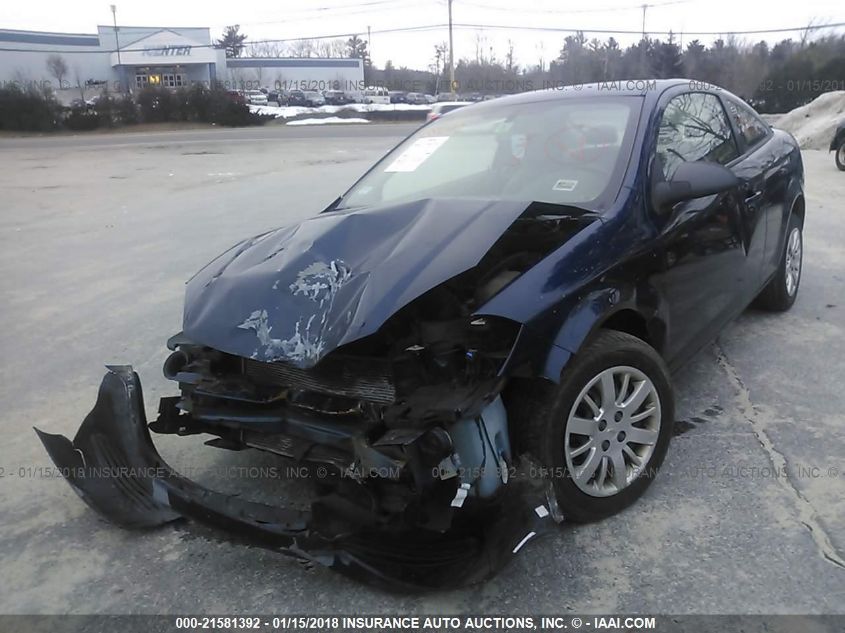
(415, 98)
(376, 94)
(297, 98)
(397, 96)
(277, 97)
(338, 97)
(430, 99)
(441, 108)
(306, 98)
(506, 291)
(837, 144)
(255, 97)
(314, 98)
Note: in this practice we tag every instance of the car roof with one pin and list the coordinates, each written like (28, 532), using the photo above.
(610, 88)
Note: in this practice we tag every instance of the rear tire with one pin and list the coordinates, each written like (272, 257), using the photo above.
(840, 156)
(781, 291)
(600, 447)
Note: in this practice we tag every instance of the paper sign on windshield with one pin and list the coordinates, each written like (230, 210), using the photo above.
(417, 153)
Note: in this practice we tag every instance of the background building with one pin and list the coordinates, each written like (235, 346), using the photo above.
(133, 57)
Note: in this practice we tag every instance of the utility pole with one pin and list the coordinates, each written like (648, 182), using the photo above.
(451, 55)
(643, 46)
(645, 6)
(117, 45)
(369, 54)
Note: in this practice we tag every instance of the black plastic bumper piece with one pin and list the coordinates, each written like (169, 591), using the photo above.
(114, 467)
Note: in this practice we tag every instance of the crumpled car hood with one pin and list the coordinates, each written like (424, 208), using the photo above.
(297, 293)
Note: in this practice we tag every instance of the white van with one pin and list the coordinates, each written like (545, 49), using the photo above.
(376, 95)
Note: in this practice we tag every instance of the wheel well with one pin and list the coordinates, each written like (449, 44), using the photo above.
(798, 208)
(633, 323)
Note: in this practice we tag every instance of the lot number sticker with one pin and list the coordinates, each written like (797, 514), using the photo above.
(417, 153)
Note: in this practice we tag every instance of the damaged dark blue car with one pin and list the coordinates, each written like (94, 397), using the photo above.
(475, 341)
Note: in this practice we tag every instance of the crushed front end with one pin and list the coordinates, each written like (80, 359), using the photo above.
(409, 454)
(372, 368)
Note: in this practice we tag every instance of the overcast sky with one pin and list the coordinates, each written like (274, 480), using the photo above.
(261, 19)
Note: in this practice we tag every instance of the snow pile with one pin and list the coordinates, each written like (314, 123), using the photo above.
(324, 120)
(287, 112)
(813, 124)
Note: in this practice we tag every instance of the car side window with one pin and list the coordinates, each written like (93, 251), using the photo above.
(694, 127)
(750, 127)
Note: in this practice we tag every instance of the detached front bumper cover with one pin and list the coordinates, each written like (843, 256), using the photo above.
(115, 468)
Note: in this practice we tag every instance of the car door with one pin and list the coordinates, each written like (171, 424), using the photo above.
(762, 171)
(703, 265)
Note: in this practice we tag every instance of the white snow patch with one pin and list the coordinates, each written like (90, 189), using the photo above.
(329, 120)
(813, 124)
(286, 112)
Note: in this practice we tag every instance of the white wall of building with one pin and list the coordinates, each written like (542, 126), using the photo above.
(92, 61)
(92, 58)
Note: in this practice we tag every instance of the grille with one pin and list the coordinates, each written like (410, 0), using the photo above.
(362, 379)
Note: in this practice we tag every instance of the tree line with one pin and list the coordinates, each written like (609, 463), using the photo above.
(774, 78)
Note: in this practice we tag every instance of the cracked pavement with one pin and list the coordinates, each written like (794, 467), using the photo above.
(98, 236)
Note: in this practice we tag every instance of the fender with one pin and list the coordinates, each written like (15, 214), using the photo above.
(795, 196)
(838, 138)
(594, 310)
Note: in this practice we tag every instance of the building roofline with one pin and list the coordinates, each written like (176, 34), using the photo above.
(159, 27)
(33, 32)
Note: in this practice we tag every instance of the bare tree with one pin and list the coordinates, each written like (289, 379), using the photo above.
(440, 56)
(510, 66)
(79, 84)
(265, 49)
(812, 26)
(480, 45)
(331, 48)
(301, 48)
(57, 67)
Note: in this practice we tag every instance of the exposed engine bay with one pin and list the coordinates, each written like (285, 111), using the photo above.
(383, 371)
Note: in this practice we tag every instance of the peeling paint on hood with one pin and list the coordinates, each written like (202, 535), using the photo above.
(299, 292)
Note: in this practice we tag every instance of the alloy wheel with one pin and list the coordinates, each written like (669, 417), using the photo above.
(612, 431)
(792, 266)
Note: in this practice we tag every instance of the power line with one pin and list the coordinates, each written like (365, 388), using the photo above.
(630, 32)
(607, 9)
(340, 10)
(460, 25)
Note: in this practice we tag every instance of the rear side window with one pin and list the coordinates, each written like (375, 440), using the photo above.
(694, 127)
(750, 127)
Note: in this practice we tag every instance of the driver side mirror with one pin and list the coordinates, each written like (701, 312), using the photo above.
(691, 180)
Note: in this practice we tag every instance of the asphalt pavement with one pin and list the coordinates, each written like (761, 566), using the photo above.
(98, 234)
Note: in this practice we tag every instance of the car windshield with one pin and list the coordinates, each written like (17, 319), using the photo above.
(560, 151)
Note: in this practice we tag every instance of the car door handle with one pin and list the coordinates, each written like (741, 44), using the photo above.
(752, 196)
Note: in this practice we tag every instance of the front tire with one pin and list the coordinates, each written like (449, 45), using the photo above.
(603, 432)
(840, 156)
(781, 291)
